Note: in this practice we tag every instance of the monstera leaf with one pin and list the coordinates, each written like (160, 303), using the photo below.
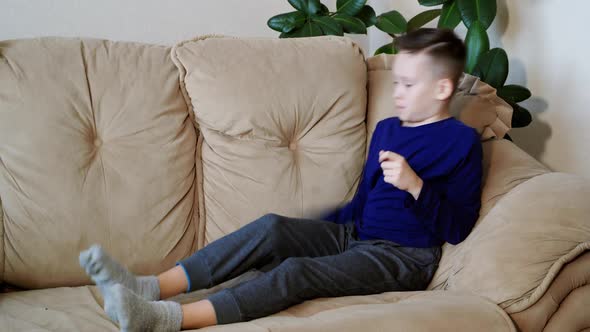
(367, 15)
(472, 11)
(350, 24)
(514, 93)
(392, 22)
(477, 43)
(430, 3)
(287, 22)
(328, 25)
(310, 7)
(421, 19)
(350, 7)
(492, 67)
(386, 49)
(450, 16)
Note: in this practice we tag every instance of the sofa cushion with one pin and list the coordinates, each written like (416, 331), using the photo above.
(79, 309)
(475, 103)
(54, 309)
(505, 166)
(411, 312)
(283, 124)
(96, 146)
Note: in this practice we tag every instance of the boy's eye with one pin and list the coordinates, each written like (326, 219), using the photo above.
(395, 82)
(408, 85)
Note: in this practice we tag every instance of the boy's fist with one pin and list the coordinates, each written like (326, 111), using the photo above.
(398, 172)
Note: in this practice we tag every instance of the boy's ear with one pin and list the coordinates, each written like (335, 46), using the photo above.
(444, 89)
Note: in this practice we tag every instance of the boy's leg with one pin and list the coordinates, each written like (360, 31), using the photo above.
(134, 313)
(266, 241)
(369, 267)
(105, 271)
(172, 282)
(263, 244)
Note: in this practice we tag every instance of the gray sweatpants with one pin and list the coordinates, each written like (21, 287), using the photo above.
(302, 259)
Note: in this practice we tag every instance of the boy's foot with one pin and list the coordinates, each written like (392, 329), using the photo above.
(134, 313)
(105, 271)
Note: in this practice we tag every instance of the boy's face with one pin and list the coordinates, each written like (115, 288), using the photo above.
(416, 89)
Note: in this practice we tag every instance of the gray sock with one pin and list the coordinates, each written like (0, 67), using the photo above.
(134, 313)
(105, 271)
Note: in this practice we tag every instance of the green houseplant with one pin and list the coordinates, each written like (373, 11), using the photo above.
(312, 18)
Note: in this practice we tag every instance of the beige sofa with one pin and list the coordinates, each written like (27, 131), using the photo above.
(154, 151)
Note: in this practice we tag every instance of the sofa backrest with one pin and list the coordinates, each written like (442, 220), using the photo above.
(282, 124)
(96, 146)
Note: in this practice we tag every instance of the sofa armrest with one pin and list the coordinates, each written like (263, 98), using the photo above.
(516, 250)
(562, 307)
(571, 315)
(1, 242)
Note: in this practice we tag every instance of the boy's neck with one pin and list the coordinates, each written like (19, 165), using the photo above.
(444, 114)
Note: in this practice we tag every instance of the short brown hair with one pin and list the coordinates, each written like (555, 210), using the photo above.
(442, 45)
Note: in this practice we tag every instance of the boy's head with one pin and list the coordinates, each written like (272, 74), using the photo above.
(425, 74)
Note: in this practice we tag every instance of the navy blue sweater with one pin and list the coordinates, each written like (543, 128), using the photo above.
(447, 156)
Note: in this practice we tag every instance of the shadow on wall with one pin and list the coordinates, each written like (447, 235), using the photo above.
(502, 18)
(532, 138)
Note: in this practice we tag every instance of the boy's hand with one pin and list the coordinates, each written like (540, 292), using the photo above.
(398, 172)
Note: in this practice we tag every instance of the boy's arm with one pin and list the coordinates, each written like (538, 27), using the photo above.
(348, 212)
(452, 214)
(353, 209)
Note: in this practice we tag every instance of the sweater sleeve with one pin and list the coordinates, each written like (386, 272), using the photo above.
(353, 210)
(348, 212)
(450, 211)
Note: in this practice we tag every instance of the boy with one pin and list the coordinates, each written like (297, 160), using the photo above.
(421, 187)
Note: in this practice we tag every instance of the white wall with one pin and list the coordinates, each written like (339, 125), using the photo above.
(547, 46)
(545, 41)
(150, 21)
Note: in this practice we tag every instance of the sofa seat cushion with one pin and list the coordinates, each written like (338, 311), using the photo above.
(96, 146)
(54, 309)
(283, 124)
(80, 309)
